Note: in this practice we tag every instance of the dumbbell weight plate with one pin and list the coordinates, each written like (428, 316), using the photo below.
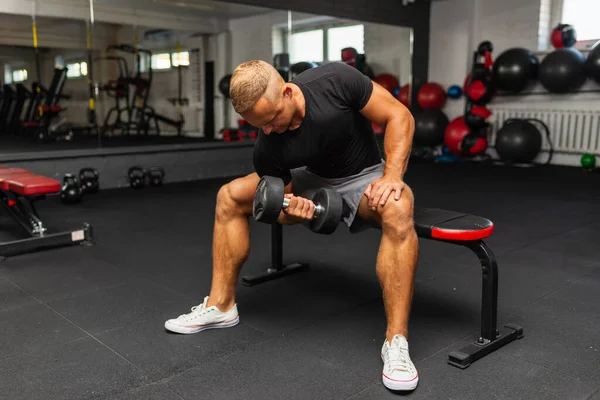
(268, 199)
(333, 206)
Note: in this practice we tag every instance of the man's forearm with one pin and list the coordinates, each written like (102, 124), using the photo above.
(398, 139)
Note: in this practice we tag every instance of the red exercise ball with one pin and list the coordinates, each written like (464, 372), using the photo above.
(377, 129)
(404, 95)
(388, 81)
(431, 95)
(461, 140)
(563, 35)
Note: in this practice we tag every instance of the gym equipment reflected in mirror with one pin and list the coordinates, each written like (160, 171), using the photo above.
(122, 77)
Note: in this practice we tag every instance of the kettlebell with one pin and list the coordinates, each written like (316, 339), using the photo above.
(137, 177)
(71, 192)
(89, 180)
(156, 176)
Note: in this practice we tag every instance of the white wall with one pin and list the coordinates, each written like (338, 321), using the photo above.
(458, 26)
(388, 50)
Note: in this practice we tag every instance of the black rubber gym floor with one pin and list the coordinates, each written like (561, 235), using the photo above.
(87, 322)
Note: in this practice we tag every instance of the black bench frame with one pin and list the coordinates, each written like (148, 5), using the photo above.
(491, 338)
(22, 210)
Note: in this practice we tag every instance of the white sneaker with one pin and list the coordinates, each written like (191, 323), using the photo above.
(202, 318)
(399, 373)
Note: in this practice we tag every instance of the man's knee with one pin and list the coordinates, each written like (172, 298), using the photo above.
(398, 216)
(236, 196)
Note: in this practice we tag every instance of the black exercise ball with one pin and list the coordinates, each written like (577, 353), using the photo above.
(592, 64)
(224, 85)
(300, 67)
(515, 69)
(430, 125)
(518, 141)
(563, 70)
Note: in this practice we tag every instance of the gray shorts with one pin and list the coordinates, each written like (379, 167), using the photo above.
(351, 188)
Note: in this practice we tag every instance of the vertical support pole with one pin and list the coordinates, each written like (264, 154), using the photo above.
(276, 246)
(38, 69)
(90, 71)
(489, 299)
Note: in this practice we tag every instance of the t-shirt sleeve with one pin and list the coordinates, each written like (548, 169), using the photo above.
(266, 163)
(354, 87)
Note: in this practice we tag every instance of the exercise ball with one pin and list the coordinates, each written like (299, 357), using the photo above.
(515, 69)
(454, 92)
(461, 140)
(431, 95)
(476, 117)
(518, 141)
(300, 67)
(563, 35)
(592, 64)
(430, 125)
(563, 71)
(588, 161)
(388, 81)
(480, 91)
(404, 95)
(224, 85)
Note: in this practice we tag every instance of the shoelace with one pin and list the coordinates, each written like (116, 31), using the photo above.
(397, 359)
(202, 311)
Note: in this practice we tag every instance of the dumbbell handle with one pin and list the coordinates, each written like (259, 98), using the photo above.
(318, 207)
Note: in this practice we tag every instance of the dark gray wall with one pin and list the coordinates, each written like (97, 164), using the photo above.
(181, 163)
(414, 15)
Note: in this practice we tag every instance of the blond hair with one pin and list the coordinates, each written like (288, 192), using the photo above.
(250, 82)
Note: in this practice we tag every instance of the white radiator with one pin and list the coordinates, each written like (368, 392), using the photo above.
(572, 132)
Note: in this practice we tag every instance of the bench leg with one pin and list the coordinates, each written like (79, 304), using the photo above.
(23, 211)
(278, 269)
(491, 337)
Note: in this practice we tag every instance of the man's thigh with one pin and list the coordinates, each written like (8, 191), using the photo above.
(350, 188)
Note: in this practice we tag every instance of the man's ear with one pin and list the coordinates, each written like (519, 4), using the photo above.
(287, 90)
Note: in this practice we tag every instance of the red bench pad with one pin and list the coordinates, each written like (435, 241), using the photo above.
(6, 174)
(32, 185)
(451, 225)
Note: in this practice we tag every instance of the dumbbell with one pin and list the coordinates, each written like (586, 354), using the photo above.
(269, 200)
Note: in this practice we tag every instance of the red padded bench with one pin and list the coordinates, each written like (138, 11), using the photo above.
(19, 189)
(449, 227)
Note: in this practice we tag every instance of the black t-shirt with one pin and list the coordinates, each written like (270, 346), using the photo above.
(334, 139)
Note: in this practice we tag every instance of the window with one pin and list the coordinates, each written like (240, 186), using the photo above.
(77, 70)
(319, 45)
(182, 58)
(345, 36)
(583, 15)
(7, 74)
(161, 61)
(306, 46)
(19, 75)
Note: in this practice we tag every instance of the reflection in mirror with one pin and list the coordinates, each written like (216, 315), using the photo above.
(293, 42)
(159, 70)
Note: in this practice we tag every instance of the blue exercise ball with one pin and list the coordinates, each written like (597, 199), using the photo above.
(454, 92)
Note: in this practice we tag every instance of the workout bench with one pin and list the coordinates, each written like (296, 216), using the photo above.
(19, 189)
(449, 227)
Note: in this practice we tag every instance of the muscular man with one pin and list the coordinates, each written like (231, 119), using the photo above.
(314, 132)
